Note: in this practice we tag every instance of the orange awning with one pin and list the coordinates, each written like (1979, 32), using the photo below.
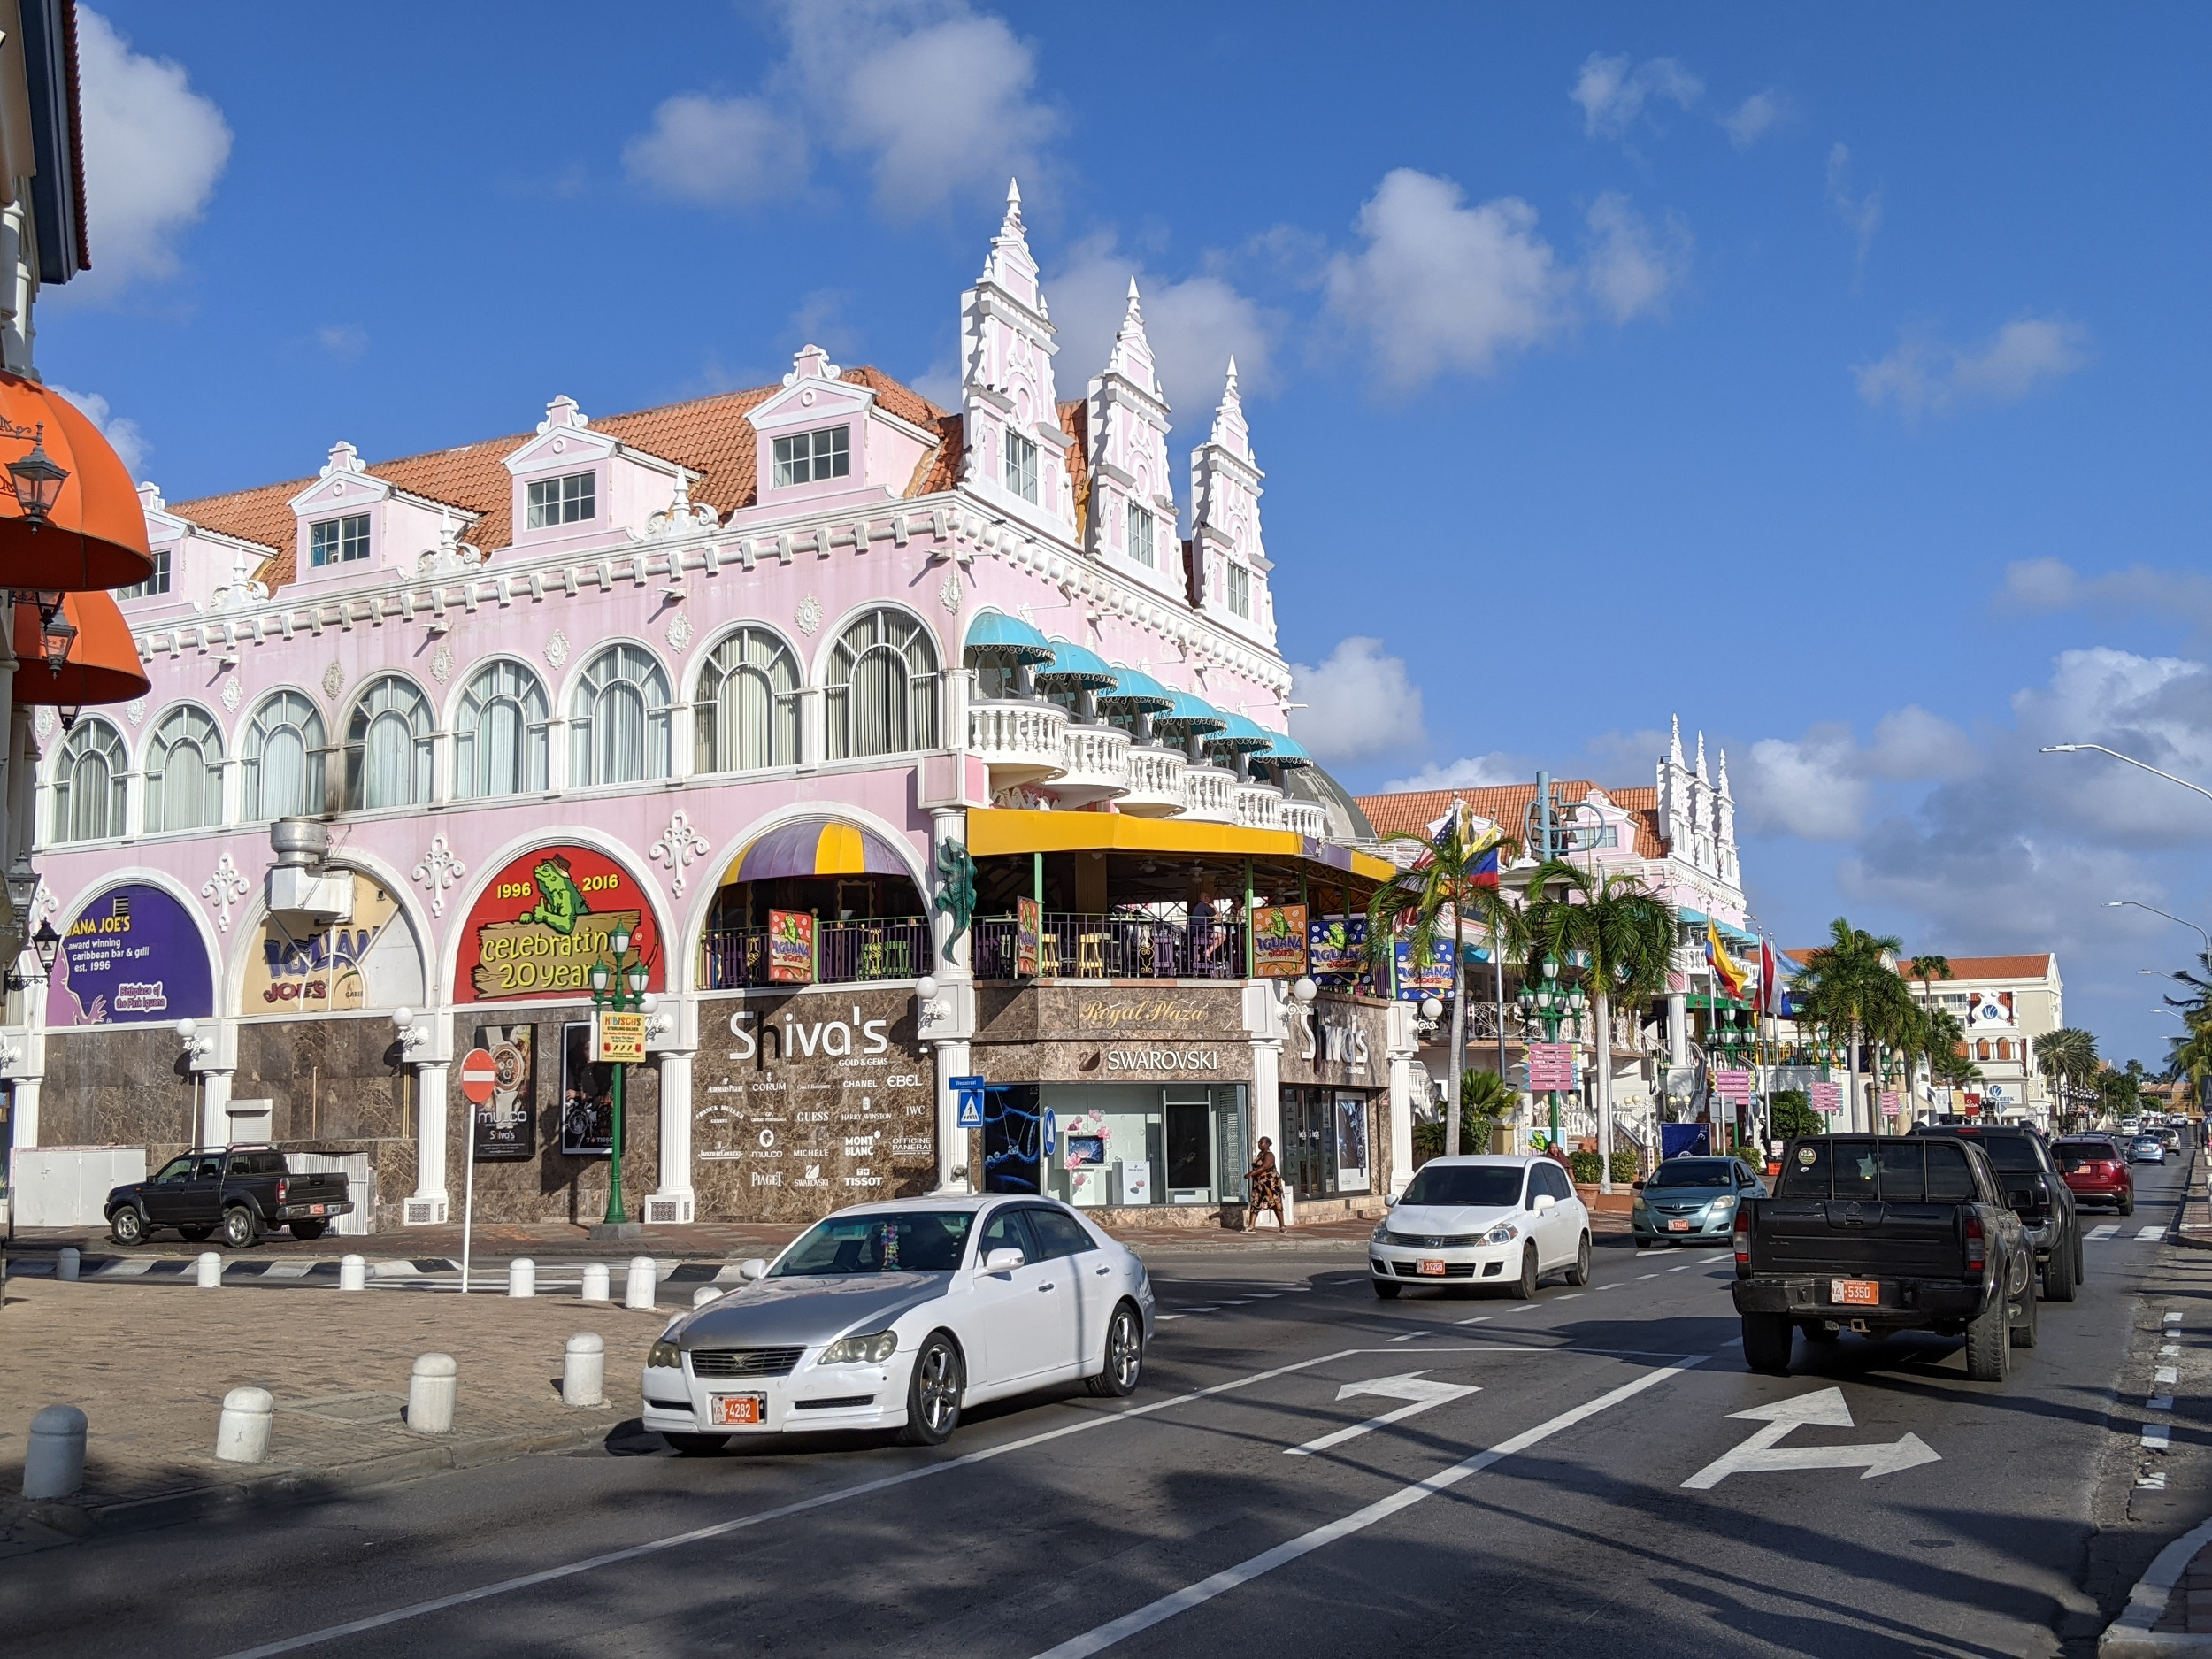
(96, 535)
(103, 663)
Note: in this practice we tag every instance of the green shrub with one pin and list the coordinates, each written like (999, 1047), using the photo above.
(1585, 1167)
(1790, 1113)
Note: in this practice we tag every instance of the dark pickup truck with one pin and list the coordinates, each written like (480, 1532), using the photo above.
(2036, 1189)
(1882, 1233)
(244, 1191)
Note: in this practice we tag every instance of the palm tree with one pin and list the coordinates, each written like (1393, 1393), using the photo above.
(2068, 1058)
(1926, 968)
(1627, 934)
(2191, 1058)
(1442, 878)
(1946, 1042)
(1849, 984)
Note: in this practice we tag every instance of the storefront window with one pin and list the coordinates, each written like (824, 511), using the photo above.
(1326, 1141)
(1126, 1145)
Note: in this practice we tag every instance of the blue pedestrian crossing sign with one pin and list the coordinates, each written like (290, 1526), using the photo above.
(970, 1089)
(1052, 1130)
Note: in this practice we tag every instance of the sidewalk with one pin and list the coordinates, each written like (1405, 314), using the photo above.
(152, 1383)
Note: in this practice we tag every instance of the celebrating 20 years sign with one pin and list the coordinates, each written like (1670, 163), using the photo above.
(544, 920)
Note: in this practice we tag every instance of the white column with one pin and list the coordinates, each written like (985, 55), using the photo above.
(812, 747)
(430, 1138)
(556, 754)
(214, 1108)
(675, 1171)
(953, 1175)
(134, 803)
(1678, 1028)
(1267, 1110)
(441, 768)
(24, 1131)
(683, 741)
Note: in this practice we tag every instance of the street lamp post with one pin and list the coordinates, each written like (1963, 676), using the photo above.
(2114, 905)
(2076, 749)
(1553, 1003)
(618, 986)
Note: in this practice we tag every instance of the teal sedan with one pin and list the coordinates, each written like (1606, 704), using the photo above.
(1691, 1200)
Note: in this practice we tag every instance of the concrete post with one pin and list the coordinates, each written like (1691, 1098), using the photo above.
(594, 1281)
(643, 1280)
(1678, 1028)
(522, 1278)
(53, 1463)
(430, 1135)
(675, 1147)
(584, 1370)
(65, 1264)
(242, 1434)
(954, 1175)
(353, 1273)
(26, 1131)
(706, 1294)
(210, 1271)
(1400, 1052)
(431, 1392)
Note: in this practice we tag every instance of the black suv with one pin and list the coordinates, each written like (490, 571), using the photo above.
(2036, 1191)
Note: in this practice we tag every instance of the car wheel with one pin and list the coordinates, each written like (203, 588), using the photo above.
(1989, 1347)
(1385, 1289)
(1580, 1273)
(2127, 1203)
(193, 1235)
(1529, 1275)
(1643, 1244)
(2058, 1275)
(1116, 1379)
(239, 1231)
(2023, 1330)
(1766, 1342)
(933, 1393)
(695, 1444)
(304, 1230)
(127, 1225)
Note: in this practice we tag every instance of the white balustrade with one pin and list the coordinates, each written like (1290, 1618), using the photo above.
(1259, 806)
(1155, 782)
(1306, 817)
(1209, 794)
(1093, 766)
(1022, 740)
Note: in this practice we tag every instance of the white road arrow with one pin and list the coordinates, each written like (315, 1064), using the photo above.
(1824, 1408)
(1412, 1386)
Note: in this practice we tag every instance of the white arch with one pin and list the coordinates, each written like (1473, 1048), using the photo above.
(697, 670)
(818, 672)
(51, 759)
(463, 679)
(257, 913)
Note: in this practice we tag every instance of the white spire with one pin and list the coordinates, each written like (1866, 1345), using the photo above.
(1674, 749)
(1701, 776)
(1229, 429)
(1724, 776)
(1132, 354)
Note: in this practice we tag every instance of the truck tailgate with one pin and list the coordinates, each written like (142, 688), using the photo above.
(1870, 1239)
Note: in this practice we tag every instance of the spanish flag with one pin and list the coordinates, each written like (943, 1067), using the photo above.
(1731, 973)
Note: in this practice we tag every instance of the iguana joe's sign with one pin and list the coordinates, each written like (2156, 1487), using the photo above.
(537, 929)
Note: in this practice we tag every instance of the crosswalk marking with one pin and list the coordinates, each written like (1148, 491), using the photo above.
(2109, 1229)
(2150, 1235)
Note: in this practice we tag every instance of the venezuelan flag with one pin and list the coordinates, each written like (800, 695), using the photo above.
(1731, 973)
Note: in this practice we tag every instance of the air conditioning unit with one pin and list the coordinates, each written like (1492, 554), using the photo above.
(300, 889)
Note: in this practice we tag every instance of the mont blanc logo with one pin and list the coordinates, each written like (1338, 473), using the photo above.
(861, 1146)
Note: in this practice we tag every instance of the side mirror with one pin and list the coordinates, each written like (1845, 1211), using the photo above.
(1390, 1201)
(751, 1269)
(1003, 1260)
(1544, 1200)
(1635, 1186)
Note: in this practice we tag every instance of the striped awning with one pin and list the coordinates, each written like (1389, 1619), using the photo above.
(816, 846)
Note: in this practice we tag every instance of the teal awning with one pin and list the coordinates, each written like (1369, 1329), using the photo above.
(1237, 733)
(1286, 751)
(1072, 666)
(1009, 637)
(1133, 692)
(1191, 714)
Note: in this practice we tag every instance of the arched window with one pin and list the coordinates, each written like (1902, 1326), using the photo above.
(882, 693)
(1981, 1050)
(499, 741)
(2004, 1048)
(748, 713)
(284, 759)
(389, 745)
(619, 719)
(184, 773)
(88, 783)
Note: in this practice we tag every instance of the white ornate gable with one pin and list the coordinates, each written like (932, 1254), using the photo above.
(1006, 379)
(1129, 459)
(1225, 519)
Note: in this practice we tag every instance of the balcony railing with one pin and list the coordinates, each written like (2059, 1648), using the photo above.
(1303, 817)
(1259, 806)
(1094, 764)
(849, 952)
(1022, 740)
(1209, 794)
(1155, 782)
(1122, 947)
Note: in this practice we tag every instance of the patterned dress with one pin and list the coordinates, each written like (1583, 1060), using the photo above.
(1267, 1186)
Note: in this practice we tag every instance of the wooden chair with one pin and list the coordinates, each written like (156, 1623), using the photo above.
(1049, 956)
(1090, 956)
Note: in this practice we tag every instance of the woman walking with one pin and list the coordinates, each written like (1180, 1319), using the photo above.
(1266, 1186)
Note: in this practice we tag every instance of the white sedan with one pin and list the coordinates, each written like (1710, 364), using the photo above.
(899, 1315)
(1499, 1221)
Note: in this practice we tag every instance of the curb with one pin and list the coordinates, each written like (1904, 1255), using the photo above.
(2131, 1636)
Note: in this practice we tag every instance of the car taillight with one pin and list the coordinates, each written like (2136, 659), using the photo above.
(1977, 1247)
(1743, 1236)
(282, 1187)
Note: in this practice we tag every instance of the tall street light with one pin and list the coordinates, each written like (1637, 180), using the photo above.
(618, 986)
(2114, 905)
(1553, 1003)
(2076, 749)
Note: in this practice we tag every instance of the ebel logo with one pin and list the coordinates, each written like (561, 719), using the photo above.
(1162, 1059)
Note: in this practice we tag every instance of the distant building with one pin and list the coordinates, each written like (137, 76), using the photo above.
(2006, 1004)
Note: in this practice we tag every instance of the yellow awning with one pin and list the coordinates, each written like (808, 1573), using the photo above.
(992, 831)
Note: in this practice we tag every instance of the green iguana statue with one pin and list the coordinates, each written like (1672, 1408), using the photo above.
(560, 901)
(956, 888)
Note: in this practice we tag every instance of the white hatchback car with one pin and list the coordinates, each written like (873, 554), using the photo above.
(1464, 1222)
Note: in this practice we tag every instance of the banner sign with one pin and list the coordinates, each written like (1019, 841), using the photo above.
(499, 1080)
(1430, 978)
(134, 957)
(368, 961)
(1336, 947)
(1827, 1097)
(1278, 942)
(1029, 929)
(536, 930)
(621, 1038)
(1551, 1067)
(1732, 1086)
(1889, 1102)
(790, 946)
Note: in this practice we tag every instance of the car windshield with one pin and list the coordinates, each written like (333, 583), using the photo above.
(1694, 1173)
(175, 1170)
(2073, 1153)
(2146, 1140)
(926, 1241)
(1465, 1185)
(2011, 1153)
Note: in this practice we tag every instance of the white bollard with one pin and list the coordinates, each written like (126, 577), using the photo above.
(706, 1294)
(522, 1276)
(584, 1370)
(66, 1266)
(594, 1281)
(53, 1464)
(430, 1394)
(242, 1434)
(210, 1271)
(644, 1277)
(353, 1273)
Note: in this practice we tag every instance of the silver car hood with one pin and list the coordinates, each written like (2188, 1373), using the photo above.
(1448, 1220)
(794, 1312)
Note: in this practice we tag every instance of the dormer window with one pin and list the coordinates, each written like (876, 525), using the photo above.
(1141, 536)
(338, 540)
(1240, 590)
(1021, 467)
(156, 583)
(572, 499)
(813, 458)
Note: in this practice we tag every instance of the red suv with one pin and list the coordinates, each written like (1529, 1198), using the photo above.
(2096, 1169)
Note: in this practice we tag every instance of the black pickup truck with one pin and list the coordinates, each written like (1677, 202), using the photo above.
(245, 1191)
(2036, 1189)
(1882, 1233)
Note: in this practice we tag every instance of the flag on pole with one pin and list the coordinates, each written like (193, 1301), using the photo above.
(1731, 973)
(1769, 979)
(1463, 832)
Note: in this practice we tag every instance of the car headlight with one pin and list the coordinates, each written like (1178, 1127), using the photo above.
(1381, 1231)
(1504, 1232)
(1636, 1203)
(1724, 1203)
(861, 1350)
(665, 1354)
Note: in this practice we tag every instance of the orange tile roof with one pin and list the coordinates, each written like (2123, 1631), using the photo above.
(1075, 420)
(1508, 804)
(1965, 970)
(710, 435)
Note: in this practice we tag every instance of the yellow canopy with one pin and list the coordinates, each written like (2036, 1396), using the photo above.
(992, 831)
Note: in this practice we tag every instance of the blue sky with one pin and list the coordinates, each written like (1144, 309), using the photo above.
(1834, 380)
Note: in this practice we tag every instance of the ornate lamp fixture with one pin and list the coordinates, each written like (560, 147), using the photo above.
(37, 477)
(47, 944)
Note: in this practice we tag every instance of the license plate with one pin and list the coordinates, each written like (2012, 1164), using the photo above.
(738, 1411)
(1678, 1226)
(317, 1209)
(1852, 1293)
(1432, 1270)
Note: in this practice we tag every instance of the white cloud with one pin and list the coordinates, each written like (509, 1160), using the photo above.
(1360, 705)
(153, 149)
(1195, 325)
(1471, 772)
(122, 432)
(1861, 214)
(1820, 785)
(1754, 117)
(345, 341)
(1632, 268)
(1924, 376)
(934, 98)
(2050, 585)
(1912, 744)
(1443, 286)
(1613, 96)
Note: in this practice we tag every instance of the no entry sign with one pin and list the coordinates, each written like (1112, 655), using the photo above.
(479, 1077)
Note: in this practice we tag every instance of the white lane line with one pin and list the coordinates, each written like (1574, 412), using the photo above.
(1239, 1302)
(2158, 1437)
(2150, 1235)
(1641, 1276)
(1409, 1336)
(1162, 1318)
(1683, 1269)
(2166, 1376)
(1104, 1636)
(1570, 1296)
(2109, 1229)
(1480, 1318)
(722, 1529)
(1524, 1307)
(2174, 1318)
(2171, 1349)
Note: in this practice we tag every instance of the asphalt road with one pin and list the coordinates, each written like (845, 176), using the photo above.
(1533, 1499)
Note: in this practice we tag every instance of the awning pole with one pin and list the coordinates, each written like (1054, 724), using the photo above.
(1249, 970)
(1037, 878)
